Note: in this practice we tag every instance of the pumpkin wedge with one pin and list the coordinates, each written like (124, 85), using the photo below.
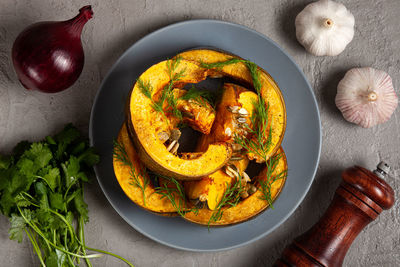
(249, 207)
(145, 124)
(150, 200)
(235, 100)
(240, 72)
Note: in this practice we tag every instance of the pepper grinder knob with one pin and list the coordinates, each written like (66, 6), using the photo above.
(359, 200)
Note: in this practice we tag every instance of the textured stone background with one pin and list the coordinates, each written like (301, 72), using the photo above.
(118, 24)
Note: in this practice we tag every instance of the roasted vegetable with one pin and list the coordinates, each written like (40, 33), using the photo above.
(222, 64)
(231, 212)
(196, 112)
(134, 180)
(249, 125)
(233, 111)
(146, 121)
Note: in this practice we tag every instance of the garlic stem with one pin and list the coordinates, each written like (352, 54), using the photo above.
(372, 96)
(328, 23)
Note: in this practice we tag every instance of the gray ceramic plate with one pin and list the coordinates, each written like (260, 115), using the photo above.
(302, 140)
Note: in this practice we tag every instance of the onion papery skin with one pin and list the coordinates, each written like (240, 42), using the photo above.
(48, 56)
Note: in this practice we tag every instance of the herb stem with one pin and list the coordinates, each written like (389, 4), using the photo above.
(111, 254)
(37, 230)
(82, 240)
(35, 247)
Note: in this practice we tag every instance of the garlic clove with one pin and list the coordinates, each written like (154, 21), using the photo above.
(325, 28)
(366, 97)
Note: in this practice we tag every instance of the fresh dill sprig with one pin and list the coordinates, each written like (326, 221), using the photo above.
(221, 64)
(167, 92)
(146, 89)
(173, 103)
(231, 198)
(202, 97)
(121, 155)
(265, 185)
(257, 143)
(176, 191)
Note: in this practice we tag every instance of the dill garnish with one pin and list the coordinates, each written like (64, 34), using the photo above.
(265, 185)
(121, 155)
(221, 64)
(231, 197)
(202, 97)
(172, 192)
(167, 94)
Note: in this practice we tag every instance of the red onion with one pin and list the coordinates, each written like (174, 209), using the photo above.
(48, 56)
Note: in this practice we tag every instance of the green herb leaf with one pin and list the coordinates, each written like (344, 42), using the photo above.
(71, 169)
(16, 231)
(45, 204)
(81, 206)
(52, 177)
(56, 201)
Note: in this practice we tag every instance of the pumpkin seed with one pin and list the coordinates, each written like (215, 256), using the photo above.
(241, 120)
(230, 169)
(171, 145)
(236, 147)
(233, 109)
(175, 134)
(203, 197)
(235, 158)
(175, 148)
(228, 131)
(246, 177)
(163, 136)
(244, 194)
(229, 173)
(243, 112)
(252, 189)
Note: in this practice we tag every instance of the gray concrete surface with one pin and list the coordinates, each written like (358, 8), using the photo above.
(118, 24)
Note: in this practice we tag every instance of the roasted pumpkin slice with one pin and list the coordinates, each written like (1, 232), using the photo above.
(197, 113)
(211, 189)
(240, 72)
(233, 113)
(236, 103)
(146, 124)
(124, 171)
(251, 206)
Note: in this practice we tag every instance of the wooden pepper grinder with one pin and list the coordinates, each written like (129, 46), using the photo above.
(359, 200)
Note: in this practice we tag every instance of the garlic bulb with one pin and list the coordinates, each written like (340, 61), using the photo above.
(325, 28)
(366, 96)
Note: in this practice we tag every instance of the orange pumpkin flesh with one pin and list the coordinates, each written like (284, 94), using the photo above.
(247, 208)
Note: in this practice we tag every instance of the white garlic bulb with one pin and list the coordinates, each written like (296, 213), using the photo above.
(325, 28)
(366, 96)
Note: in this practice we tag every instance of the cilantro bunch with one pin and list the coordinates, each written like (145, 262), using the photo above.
(41, 191)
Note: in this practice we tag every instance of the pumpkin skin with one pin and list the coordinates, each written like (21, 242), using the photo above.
(145, 123)
(154, 202)
(239, 71)
(246, 208)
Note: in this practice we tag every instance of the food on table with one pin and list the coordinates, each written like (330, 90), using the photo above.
(48, 56)
(366, 97)
(325, 28)
(210, 185)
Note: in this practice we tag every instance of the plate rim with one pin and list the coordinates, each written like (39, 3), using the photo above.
(178, 24)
